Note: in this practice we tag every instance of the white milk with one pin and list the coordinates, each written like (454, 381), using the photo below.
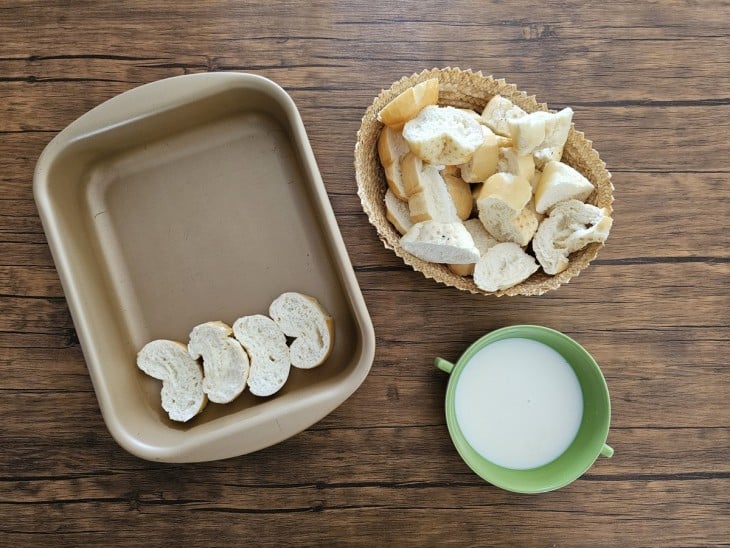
(518, 403)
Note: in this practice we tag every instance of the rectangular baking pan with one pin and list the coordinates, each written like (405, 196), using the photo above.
(187, 200)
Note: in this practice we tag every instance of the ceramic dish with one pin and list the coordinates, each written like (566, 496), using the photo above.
(191, 199)
(467, 89)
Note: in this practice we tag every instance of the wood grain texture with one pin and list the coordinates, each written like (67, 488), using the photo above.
(650, 85)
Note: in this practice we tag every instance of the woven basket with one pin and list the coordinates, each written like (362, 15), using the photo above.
(467, 89)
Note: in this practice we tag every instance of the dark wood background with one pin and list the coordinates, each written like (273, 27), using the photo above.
(650, 85)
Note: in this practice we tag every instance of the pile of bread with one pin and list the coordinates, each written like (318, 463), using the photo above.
(485, 193)
(254, 353)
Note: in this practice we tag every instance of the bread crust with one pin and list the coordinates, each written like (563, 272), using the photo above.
(409, 103)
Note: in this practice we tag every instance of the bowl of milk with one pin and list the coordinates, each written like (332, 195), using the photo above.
(527, 408)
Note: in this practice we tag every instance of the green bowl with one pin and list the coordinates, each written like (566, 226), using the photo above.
(590, 441)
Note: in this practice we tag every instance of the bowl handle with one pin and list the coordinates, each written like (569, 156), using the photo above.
(444, 365)
(607, 451)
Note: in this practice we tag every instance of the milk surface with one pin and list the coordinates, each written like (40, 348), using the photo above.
(518, 403)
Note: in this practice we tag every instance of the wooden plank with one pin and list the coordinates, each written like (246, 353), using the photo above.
(595, 513)
(650, 85)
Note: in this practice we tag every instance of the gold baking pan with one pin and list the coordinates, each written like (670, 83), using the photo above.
(187, 200)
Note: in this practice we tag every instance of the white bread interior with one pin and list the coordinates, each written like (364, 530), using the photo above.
(438, 242)
(498, 111)
(268, 353)
(559, 183)
(303, 318)
(443, 135)
(502, 266)
(569, 227)
(432, 201)
(483, 241)
(182, 392)
(225, 364)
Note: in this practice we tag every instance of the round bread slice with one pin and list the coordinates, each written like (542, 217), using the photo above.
(225, 364)
(409, 103)
(313, 329)
(443, 135)
(182, 379)
(437, 242)
(503, 266)
(266, 346)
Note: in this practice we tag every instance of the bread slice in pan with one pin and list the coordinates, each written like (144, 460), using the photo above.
(268, 352)
(182, 378)
(225, 364)
(303, 318)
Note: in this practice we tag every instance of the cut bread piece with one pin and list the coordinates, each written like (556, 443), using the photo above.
(511, 162)
(535, 180)
(498, 111)
(432, 201)
(557, 128)
(482, 241)
(409, 103)
(541, 131)
(443, 135)
(502, 208)
(503, 266)
(483, 163)
(266, 346)
(560, 183)
(411, 168)
(313, 329)
(391, 146)
(225, 364)
(528, 132)
(473, 114)
(396, 211)
(460, 193)
(182, 392)
(570, 226)
(438, 242)
(391, 149)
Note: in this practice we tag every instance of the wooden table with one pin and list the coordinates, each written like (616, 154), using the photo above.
(650, 85)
